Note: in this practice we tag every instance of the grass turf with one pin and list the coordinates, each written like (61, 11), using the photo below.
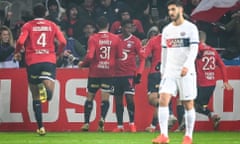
(113, 138)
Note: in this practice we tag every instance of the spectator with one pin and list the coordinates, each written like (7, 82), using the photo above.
(89, 28)
(141, 11)
(54, 11)
(72, 24)
(87, 10)
(137, 28)
(7, 49)
(73, 53)
(110, 9)
(233, 43)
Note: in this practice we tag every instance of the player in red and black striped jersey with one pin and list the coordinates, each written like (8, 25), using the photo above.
(38, 37)
(128, 74)
(103, 51)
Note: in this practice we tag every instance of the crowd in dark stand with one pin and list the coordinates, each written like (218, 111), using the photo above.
(77, 18)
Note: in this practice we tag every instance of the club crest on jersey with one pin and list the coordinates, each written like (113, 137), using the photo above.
(130, 44)
(182, 34)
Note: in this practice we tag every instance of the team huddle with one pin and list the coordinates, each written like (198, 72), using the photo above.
(181, 65)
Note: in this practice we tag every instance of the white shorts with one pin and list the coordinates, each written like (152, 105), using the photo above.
(185, 86)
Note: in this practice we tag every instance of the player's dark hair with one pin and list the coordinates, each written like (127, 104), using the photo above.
(39, 10)
(178, 3)
(102, 22)
(125, 22)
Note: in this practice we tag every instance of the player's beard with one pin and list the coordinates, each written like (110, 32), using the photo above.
(175, 18)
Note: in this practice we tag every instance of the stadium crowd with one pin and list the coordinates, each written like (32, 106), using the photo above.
(77, 19)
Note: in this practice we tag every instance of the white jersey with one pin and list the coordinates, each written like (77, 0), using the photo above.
(180, 48)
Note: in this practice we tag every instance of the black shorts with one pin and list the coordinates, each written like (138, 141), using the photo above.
(154, 82)
(40, 71)
(204, 94)
(106, 84)
(124, 85)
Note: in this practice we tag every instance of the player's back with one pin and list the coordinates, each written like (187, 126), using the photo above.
(106, 49)
(206, 64)
(40, 42)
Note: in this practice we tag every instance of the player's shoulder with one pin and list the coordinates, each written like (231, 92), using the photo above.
(189, 24)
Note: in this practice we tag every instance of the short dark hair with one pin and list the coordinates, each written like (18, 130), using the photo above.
(102, 22)
(175, 2)
(39, 10)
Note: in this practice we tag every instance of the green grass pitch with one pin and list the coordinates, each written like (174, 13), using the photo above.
(114, 138)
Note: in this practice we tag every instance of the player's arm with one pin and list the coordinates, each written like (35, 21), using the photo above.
(61, 39)
(193, 51)
(90, 53)
(21, 39)
(223, 70)
(141, 55)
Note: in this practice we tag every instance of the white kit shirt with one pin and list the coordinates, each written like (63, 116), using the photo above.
(180, 48)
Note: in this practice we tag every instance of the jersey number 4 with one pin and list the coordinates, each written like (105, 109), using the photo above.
(42, 40)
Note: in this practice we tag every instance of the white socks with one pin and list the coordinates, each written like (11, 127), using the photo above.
(163, 115)
(190, 117)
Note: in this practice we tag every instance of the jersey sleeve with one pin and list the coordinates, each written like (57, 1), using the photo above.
(221, 66)
(141, 55)
(22, 38)
(164, 52)
(90, 51)
(61, 39)
(194, 40)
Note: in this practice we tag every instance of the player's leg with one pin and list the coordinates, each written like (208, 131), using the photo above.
(202, 100)
(168, 89)
(107, 86)
(187, 93)
(201, 104)
(131, 111)
(153, 98)
(180, 116)
(190, 117)
(93, 86)
(119, 113)
(33, 80)
(47, 76)
(118, 97)
(129, 91)
(172, 119)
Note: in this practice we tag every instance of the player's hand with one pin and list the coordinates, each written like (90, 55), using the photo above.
(18, 56)
(137, 78)
(184, 71)
(227, 86)
(80, 64)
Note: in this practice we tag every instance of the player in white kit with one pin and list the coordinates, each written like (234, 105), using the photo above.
(180, 46)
